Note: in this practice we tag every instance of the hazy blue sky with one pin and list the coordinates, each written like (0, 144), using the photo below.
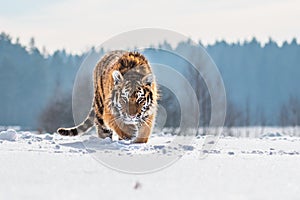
(78, 24)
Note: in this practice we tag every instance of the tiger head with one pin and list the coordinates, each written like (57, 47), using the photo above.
(132, 97)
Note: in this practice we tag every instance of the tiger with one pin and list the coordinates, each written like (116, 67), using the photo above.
(125, 98)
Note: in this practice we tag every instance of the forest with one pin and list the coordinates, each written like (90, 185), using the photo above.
(261, 82)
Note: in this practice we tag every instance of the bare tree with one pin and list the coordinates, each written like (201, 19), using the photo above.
(289, 114)
(263, 121)
(57, 113)
(247, 116)
(283, 116)
(234, 117)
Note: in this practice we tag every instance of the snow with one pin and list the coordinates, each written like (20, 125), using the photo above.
(51, 166)
(9, 135)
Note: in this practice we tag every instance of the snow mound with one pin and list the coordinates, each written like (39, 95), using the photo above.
(9, 135)
(93, 143)
(271, 134)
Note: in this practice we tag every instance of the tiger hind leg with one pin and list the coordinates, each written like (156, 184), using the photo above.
(102, 130)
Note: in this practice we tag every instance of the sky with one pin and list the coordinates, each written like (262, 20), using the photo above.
(77, 25)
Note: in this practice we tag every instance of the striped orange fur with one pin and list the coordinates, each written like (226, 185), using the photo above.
(125, 98)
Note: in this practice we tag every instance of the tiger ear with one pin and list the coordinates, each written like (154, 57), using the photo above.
(148, 79)
(117, 76)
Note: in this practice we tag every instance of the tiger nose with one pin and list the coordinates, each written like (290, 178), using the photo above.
(131, 116)
(132, 109)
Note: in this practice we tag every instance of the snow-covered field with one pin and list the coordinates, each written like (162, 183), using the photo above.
(54, 167)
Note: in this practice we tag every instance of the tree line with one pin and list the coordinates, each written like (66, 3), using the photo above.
(261, 84)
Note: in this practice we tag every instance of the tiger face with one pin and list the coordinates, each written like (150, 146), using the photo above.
(132, 98)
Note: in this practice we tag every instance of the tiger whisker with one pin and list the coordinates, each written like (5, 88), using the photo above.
(144, 121)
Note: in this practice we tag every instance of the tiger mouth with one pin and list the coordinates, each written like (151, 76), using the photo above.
(131, 121)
